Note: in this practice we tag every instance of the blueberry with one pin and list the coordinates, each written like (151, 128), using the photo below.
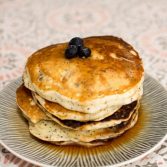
(76, 41)
(71, 52)
(84, 52)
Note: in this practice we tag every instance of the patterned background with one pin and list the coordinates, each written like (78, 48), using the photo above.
(26, 26)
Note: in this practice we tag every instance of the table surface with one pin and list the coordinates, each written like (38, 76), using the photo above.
(26, 26)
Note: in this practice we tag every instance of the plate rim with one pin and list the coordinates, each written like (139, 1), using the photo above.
(115, 165)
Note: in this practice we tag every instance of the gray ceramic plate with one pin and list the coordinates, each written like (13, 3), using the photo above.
(149, 132)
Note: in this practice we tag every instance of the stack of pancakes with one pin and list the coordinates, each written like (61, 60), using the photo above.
(84, 101)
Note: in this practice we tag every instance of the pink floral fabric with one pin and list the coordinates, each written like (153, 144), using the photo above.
(26, 26)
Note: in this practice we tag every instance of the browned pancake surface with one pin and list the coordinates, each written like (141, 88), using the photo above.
(122, 114)
(114, 67)
(26, 104)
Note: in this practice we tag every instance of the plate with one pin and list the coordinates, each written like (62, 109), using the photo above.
(149, 132)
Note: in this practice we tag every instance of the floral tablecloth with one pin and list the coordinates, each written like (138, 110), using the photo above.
(26, 26)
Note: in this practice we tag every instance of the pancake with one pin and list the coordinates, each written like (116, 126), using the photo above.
(121, 115)
(117, 118)
(64, 114)
(28, 107)
(112, 75)
(53, 132)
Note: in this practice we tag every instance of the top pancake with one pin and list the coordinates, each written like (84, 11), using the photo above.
(113, 72)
